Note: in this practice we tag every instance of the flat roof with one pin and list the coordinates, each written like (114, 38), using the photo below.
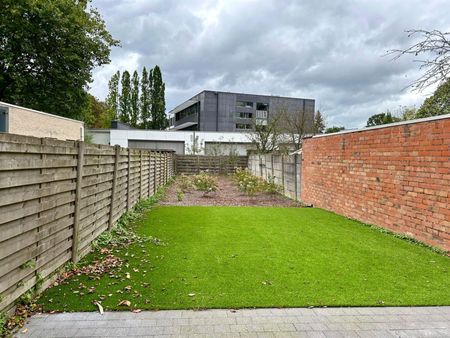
(251, 94)
(39, 112)
(193, 100)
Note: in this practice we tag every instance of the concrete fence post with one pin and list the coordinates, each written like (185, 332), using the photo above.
(282, 173)
(76, 221)
(296, 176)
(114, 184)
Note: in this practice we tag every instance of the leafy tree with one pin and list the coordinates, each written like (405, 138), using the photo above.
(266, 138)
(47, 52)
(296, 125)
(383, 118)
(125, 98)
(145, 103)
(438, 103)
(333, 129)
(112, 100)
(158, 103)
(408, 113)
(319, 123)
(435, 46)
(134, 97)
(97, 113)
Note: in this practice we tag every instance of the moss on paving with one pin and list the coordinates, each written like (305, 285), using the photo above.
(234, 257)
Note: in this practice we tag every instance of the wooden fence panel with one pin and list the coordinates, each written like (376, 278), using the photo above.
(57, 196)
(193, 164)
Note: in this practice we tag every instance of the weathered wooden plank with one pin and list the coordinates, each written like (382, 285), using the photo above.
(18, 273)
(95, 189)
(35, 148)
(15, 228)
(10, 179)
(33, 236)
(22, 164)
(91, 209)
(93, 180)
(25, 193)
(15, 211)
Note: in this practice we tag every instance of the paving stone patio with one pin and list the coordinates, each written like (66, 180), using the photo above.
(296, 322)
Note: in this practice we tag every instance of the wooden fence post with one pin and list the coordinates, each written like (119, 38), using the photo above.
(114, 184)
(282, 173)
(140, 175)
(76, 221)
(149, 173)
(154, 171)
(129, 181)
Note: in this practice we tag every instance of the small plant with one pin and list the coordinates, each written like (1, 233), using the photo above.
(180, 195)
(271, 187)
(27, 298)
(185, 183)
(204, 182)
(251, 185)
(29, 264)
(3, 322)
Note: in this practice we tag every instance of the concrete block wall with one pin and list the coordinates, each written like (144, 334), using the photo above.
(396, 177)
(282, 168)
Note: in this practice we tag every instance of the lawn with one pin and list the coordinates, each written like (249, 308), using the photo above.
(235, 257)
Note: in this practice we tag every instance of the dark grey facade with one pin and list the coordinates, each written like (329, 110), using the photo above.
(228, 112)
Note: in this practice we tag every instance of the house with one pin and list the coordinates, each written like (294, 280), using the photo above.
(24, 121)
(231, 112)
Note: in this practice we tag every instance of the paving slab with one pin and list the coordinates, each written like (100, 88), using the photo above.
(293, 322)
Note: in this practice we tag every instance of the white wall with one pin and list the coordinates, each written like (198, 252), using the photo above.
(121, 138)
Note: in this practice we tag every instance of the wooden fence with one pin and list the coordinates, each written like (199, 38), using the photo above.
(56, 197)
(284, 170)
(192, 164)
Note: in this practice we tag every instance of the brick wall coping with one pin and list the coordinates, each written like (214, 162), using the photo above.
(426, 119)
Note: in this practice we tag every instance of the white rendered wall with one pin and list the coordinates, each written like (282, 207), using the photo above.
(121, 138)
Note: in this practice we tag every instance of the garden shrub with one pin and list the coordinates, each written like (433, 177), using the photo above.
(251, 185)
(185, 183)
(204, 182)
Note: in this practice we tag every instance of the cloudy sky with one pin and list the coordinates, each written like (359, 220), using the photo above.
(331, 51)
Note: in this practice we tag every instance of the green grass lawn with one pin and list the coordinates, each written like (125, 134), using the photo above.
(234, 257)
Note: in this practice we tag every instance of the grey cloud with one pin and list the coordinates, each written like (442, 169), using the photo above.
(328, 50)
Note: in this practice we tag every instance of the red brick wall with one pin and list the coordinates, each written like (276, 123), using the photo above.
(395, 177)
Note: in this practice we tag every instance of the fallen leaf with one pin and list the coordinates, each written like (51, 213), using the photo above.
(137, 310)
(128, 275)
(125, 303)
(24, 330)
(100, 307)
(191, 294)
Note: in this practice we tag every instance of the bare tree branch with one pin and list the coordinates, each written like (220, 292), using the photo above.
(435, 46)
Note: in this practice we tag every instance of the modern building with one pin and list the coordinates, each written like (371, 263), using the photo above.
(230, 112)
(24, 121)
(182, 142)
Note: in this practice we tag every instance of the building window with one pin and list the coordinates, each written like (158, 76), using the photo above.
(241, 115)
(261, 114)
(187, 112)
(3, 120)
(262, 106)
(243, 126)
(244, 104)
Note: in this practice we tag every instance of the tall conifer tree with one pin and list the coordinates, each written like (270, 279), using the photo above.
(125, 99)
(145, 103)
(134, 100)
(158, 110)
(112, 100)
